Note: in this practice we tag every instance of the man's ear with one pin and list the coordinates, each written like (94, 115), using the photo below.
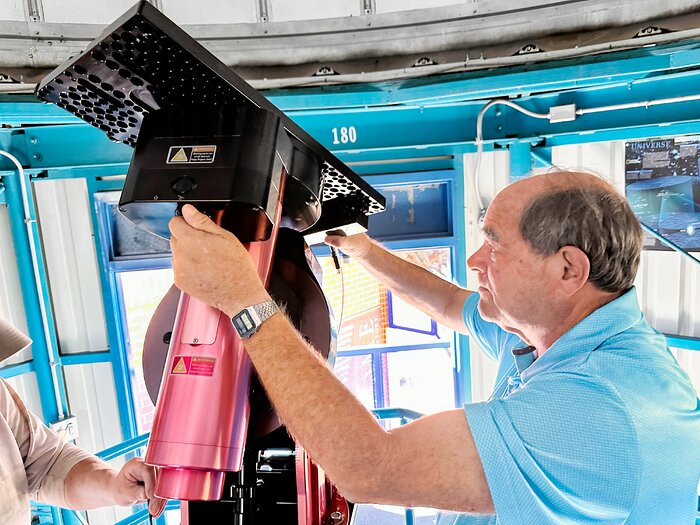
(575, 269)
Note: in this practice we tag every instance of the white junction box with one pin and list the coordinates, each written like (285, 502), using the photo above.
(67, 428)
(565, 113)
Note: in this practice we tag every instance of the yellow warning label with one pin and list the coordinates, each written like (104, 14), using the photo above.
(180, 156)
(200, 154)
(180, 367)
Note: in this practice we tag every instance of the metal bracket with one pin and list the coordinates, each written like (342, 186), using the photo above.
(35, 11)
(263, 11)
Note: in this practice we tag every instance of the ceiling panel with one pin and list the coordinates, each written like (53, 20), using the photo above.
(83, 11)
(12, 10)
(184, 12)
(286, 11)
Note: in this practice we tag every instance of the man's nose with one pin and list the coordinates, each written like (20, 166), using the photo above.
(476, 261)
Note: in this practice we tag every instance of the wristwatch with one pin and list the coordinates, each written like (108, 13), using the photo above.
(247, 321)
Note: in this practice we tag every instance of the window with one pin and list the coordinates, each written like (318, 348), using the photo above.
(389, 353)
(142, 291)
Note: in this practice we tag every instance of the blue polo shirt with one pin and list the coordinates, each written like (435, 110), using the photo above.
(604, 428)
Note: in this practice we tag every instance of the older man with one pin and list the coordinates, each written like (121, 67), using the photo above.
(591, 419)
(37, 463)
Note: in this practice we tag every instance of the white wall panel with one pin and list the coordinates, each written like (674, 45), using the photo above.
(69, 249)
(185, 12)
(27, 389)
(84, 11)
(11, 304)
(606, 159)
(93, 400)
(494, 175)
(286, 11)
(12, 10)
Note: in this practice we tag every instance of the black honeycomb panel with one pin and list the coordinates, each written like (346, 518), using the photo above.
(142, 63)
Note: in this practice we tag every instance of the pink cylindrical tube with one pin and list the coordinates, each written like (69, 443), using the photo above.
(199, 432)
(201, 421)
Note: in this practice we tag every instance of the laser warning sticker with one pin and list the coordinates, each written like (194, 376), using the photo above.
(187, 365)
(191, 154)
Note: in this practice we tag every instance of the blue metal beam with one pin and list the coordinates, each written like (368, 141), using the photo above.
(9, 371)
(85, 358)
(683, 343)
(460, 251)
(520, 160)
(391, 137)
(620, 67)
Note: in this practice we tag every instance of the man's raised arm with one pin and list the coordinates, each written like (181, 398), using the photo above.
(440, 299)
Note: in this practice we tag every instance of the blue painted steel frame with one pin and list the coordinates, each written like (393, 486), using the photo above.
(42, 363)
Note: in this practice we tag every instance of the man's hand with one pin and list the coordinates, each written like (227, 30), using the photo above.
(357, 246)
(92, 483)
(210, 264)
(136, 483)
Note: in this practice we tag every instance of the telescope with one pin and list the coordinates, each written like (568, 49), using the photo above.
(201, 135)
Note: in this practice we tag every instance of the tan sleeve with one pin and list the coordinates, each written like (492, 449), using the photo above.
(46, 456)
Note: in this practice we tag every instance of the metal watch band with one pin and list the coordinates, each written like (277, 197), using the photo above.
(247, 321)
(266, 310)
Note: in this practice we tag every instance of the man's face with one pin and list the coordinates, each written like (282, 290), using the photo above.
(514, 282)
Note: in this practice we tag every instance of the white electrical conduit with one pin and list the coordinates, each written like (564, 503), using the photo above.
(50, 351)
(645, 104)
(480, 142)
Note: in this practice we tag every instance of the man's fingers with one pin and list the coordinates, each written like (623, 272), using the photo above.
(334, 240)
(198, 220)
(177, 225)
(137, 493)
(156, 506)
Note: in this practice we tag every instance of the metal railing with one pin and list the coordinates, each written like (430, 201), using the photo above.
(404, 415)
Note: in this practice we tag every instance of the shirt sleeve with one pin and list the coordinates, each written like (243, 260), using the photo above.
(46, 456)
(552, 452)
(492, 339)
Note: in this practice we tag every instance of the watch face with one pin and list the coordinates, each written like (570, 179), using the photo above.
(243, 323)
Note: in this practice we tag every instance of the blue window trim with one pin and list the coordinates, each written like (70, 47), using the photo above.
(114, 316)
(392, 324)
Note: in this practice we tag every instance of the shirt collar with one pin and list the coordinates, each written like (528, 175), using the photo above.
(588, 334)
(524, 356)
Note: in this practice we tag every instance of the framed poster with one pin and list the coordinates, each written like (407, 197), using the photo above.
(662, 184)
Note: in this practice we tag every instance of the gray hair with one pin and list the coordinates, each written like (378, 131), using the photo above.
(593, 218)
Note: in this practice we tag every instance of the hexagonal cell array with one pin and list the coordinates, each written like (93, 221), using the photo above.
(128, 74)
(137, 68)
(336, 184)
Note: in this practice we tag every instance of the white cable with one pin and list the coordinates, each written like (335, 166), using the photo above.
(480, 141)
(644, 104)
(28, 221)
